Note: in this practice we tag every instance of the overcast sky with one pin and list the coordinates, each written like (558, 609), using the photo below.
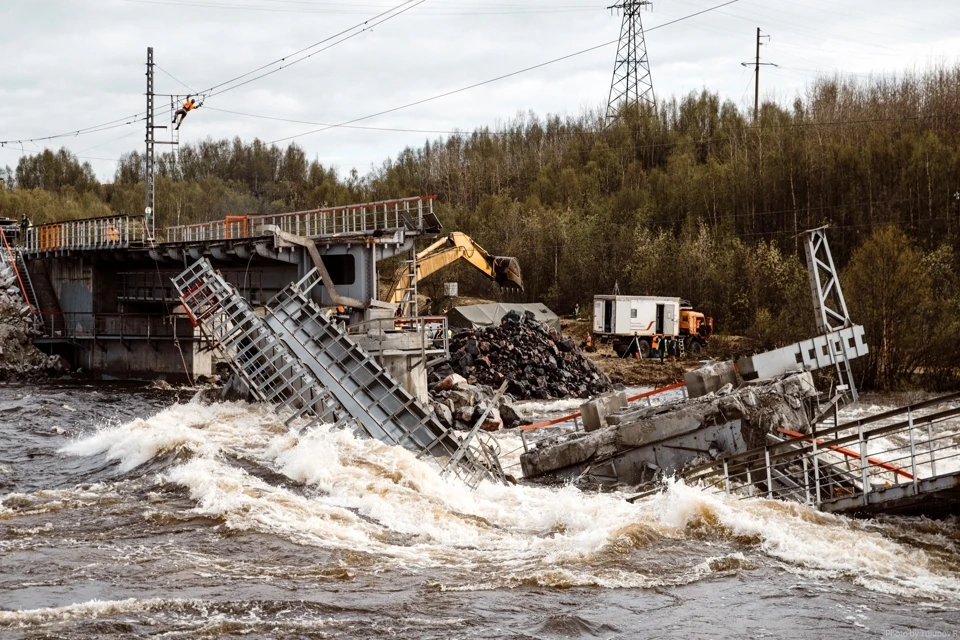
(71, 64)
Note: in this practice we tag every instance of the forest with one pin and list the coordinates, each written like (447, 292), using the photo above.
(691, 199)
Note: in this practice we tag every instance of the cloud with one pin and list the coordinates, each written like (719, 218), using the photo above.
(76, 63)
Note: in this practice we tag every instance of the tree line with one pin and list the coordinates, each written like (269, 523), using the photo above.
(693, 199)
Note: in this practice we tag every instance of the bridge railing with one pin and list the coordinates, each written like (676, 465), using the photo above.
(115, 232)
(846, 462)
(414, 213)
(116, 326)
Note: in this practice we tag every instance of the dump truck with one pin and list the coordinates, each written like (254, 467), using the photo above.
(503, 270)
(630, 322)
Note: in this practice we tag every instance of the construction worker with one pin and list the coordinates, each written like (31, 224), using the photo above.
(655, 345)
(188, 105)
(24, 226)
(663, 348)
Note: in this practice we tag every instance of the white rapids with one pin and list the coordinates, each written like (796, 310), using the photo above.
(361, 496)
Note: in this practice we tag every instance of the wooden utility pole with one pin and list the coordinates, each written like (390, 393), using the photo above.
(756, 82)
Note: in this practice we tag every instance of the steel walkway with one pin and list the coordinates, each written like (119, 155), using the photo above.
(307, 367)
(904, 461)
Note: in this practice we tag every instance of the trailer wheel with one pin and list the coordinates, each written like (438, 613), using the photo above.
(644, 348)
(695, 348)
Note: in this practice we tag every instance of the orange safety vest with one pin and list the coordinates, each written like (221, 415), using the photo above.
(188, 105)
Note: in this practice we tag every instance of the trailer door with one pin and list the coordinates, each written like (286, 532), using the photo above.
(597, 316)
(670, 320)
(660, 313)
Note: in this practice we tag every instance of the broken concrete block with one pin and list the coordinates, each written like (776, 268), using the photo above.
(595, 412)
(710, 378)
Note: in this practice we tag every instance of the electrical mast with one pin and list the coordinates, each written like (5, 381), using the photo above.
(631, 83)
(148, 207)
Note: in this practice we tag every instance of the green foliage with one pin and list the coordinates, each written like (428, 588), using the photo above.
(890, 293)
(693, 200)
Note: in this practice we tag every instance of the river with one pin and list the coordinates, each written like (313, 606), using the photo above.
(139, 514)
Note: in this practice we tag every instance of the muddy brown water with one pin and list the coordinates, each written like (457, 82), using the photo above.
(134, 514)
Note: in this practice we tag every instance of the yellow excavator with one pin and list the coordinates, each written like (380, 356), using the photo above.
(454, 246)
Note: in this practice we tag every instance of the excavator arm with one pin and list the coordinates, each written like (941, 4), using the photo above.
(455, 246)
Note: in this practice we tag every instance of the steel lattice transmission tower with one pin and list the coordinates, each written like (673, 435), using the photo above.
(631, 83)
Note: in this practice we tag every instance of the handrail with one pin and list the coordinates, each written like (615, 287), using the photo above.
(331, 224)
(850, 453)
(932, 402)
(796, 468)
(836, 441)
(16, 271)
(578, 414)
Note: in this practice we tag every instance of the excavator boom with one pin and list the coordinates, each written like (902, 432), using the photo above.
(503, 270)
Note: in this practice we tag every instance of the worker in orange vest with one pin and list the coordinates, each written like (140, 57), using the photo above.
(188, 105)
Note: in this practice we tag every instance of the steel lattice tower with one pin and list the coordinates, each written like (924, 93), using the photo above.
(631, 83)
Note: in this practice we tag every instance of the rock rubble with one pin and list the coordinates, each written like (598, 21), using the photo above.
(19, 359)
(535, 361)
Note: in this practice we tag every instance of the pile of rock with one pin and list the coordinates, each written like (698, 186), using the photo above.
(19, 359)
(535, 360)
(459, 405)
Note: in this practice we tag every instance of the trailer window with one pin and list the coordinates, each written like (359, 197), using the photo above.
(633, 314)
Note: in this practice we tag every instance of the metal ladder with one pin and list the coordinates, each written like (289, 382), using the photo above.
(305, 365)
(28, 289)
(252, 349)
(408, 303)
(385, 410)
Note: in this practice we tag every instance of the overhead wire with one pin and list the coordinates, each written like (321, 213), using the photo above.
(352, 9)
(141, 116)
(181, 83)
(496, 79)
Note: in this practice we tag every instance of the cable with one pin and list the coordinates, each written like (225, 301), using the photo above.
(498, 78)
(192, 92)
(351, 9)
(316, 44)
(141, 116)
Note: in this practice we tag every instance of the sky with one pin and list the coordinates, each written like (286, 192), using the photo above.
(76, 64)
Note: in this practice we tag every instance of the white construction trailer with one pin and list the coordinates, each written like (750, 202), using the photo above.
(623, 318)
(629, 322)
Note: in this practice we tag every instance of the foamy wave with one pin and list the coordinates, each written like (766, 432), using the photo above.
(85, 610)
(202, 429)
(360, 495)
(808, 539)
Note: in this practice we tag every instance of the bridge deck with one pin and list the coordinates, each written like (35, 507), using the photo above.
(904, 461)
(126, 233)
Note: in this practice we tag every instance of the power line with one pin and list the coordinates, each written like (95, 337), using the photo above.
(351, 10)
(491, 80)
(139, 117)
(314, 45)
(175, 80)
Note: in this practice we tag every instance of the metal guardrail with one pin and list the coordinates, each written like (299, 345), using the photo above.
(432, 331)
(845, 466)
(117, 232)
(328, 221)
(157, 286)
(116, 326)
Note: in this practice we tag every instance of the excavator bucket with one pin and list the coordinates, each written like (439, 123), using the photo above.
(507, 272)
